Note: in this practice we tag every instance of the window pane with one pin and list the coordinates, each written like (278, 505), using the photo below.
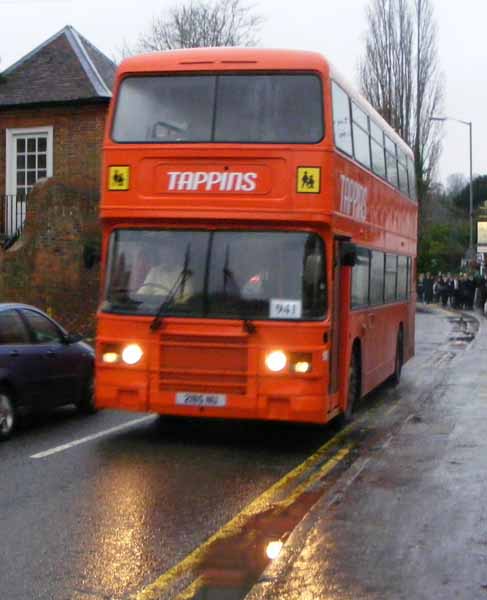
(252, 271)
(390, 278)
(44, 331)
(31, 145)
(41, 161)
(403, 179)
(412, 180)
(41, 174)
(249, 108)
(21, 145)
(402, 277)
(361, 146)
(168, 109)
(31, 161)
(378, 159)
(376, 133)
(20, 178)
(42, 144)
(341, 119)
(377, 278)
(390, 145)
(20, 162)
(233, 274)
(401, 157)
(12, 329)
(360, 117)
(31, 177)
(360, 279)
(391, 169)
(270, 108)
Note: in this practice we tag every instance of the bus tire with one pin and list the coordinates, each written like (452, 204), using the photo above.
(399, 359)
(354, 384)
(8, 414)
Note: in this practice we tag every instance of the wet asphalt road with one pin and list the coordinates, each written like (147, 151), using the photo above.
(103, 519)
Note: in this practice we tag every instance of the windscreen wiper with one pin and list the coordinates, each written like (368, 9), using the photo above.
(228, 275)
(177, 287)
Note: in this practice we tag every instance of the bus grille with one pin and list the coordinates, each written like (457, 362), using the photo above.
(203, 364)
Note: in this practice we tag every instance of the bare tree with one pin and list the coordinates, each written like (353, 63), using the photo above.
(386, 72)
(399, 75)
(455, 183)
(202, 23)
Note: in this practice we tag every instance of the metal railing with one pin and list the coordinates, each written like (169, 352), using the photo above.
(14, 208)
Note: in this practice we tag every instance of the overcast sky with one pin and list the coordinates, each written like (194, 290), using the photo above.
(334, 27)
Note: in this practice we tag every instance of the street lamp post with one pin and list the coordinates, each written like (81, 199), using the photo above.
(469, 123)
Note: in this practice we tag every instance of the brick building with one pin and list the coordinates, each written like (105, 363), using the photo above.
(53, 106)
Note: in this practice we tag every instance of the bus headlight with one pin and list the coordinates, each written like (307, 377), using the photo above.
(276, 361)
(131, 354)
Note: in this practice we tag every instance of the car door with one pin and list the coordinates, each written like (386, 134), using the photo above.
(20, 363)
(60, 365)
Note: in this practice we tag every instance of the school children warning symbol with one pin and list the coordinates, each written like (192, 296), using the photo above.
(308, 180)
(118, 178)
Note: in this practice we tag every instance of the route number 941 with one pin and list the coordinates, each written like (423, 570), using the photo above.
(285, 309)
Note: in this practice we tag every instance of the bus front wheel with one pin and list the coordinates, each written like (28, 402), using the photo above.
(354, 384)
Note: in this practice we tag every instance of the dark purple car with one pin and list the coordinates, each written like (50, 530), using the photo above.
(41, 366)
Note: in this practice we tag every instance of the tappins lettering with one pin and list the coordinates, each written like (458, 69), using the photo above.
(202, 181)
(353, 199)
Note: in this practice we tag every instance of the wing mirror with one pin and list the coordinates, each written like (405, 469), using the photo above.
(72, 338)
(348, 254)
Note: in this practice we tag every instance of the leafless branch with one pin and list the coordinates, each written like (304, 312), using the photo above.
(202, 23)
(399, 75)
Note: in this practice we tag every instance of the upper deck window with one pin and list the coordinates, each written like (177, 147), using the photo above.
(246, 108)
(342, 123)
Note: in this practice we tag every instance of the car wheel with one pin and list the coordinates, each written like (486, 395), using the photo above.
(8, 415)
(86, 405)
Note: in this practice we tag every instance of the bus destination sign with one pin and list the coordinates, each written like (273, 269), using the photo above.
(243, 179)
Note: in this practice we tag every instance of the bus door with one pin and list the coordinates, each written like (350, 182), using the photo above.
(343, 259)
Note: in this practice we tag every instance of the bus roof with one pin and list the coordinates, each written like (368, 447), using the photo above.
(226, 58)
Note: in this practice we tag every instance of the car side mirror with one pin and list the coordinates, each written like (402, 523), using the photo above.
(72, 338)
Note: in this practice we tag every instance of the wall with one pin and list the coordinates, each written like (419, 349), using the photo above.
(48, 266)
(78, 135)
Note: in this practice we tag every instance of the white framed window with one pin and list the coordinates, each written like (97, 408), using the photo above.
(29, 154)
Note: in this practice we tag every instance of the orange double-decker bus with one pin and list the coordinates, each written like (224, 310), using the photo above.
(259, 235)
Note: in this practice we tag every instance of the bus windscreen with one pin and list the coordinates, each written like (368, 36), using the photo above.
(240, 108)
(220, 274)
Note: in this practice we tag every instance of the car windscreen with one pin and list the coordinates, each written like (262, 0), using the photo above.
(243, 108)
(220, 274)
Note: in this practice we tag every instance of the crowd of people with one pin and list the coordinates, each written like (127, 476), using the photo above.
(462, 291)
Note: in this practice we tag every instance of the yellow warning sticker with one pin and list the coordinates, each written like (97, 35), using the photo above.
(118, 178)
(308, 180)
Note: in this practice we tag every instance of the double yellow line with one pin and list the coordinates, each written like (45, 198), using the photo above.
(162, 583)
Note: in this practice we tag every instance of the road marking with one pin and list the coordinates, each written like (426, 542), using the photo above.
(322, 472)
(154, 589)
(94, 436)
(190, 592)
